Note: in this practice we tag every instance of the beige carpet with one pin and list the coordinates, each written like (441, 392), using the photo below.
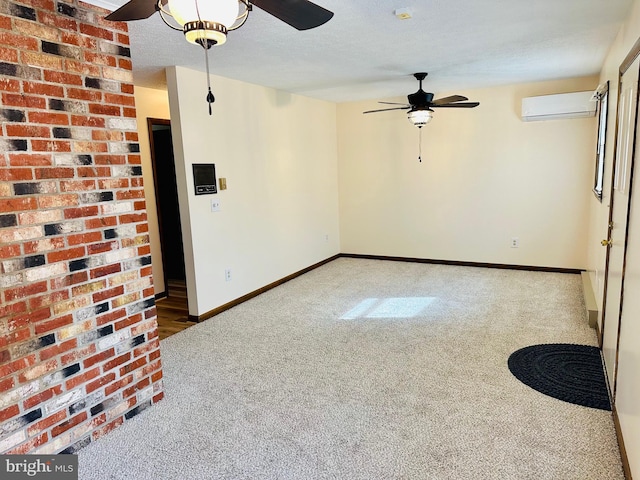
(367, 369)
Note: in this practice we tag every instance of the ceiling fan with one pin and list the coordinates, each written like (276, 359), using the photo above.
(206, 22)
(421, 103)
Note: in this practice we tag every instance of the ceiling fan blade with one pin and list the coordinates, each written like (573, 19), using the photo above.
(387, 109)
(133, 10)
(451, 99)
(457, 105)
(394, 103)
(300, 14)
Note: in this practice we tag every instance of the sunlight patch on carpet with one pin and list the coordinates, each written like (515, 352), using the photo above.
(401, 307)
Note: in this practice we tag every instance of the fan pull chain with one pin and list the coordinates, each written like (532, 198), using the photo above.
(420, 145)
(210, 97)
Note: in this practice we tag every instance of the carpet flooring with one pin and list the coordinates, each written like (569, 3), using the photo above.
(366, 369)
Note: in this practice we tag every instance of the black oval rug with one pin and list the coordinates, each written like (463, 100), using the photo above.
(568, 372)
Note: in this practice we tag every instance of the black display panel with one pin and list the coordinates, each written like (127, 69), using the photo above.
(204, 178)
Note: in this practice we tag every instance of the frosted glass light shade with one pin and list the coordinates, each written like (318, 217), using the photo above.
(420, 117)
(212, 23)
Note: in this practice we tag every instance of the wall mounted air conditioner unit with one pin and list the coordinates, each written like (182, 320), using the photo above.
(563, 105)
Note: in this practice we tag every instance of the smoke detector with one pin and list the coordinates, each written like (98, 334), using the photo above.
(402, 13)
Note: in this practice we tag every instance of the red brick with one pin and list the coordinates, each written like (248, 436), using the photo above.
(100, 59)
(111, 316)
(33, 131)
(126, 88)
(115, 386)
(101, 222)
(115, 183)
(84, 172)
(130, 367)
(132, 137)
(19, 41)
(17, 365)
(98, 358)
(82, 68)
(108, 136)
(16, 174)
(84, 238)
(54, 324)
(101, 432)
(14, 308)
(77, 185)
(9, 85)
(43, 89)
(73, 38)
(52, 201)
(18, 204)
(129, 112)
(144, 250)
(133, 218)
(57, 172)
(49, 118)
(111, 159)
(116, 362)
(45, 245)
(30, 159)
(84, 377)
(94, 31)
(84, 94)
(60, 255)
(18, 100)
(57, 349)
(7, 384)
(51, 145)
(81, 212)
(103, 271)
(64, 426)
(106, 294)
(76, 355)
(101, 247)
(100, 109)
(9, 412)
(42, 425)
(130, 194)
(158, 397)
(41, 397)
(116, 99)
(38, 371)
(11, 294)
(43, 4)
(5, 22)
(125, 64)
(33, 317)
(57, 21)
(9, 251)
(87, 121)
(9, 55)
(101, 382)
(37, 59)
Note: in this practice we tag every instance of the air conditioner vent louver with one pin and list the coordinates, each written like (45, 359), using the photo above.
(563, 105)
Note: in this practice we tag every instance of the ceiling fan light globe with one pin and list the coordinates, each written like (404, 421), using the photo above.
(419, 118)
(196, 32)
(223, 12)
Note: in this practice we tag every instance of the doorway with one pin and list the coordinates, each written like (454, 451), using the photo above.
(620, 201)
(166, 189)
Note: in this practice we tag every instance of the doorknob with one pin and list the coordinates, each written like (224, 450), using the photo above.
(605, 243)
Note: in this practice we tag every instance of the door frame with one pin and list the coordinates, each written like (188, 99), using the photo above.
(150, 123)
(624, 67)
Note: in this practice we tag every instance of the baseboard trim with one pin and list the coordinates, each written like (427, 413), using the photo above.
(161, 295)
(623, 451)
(465, 264)
(255, 293)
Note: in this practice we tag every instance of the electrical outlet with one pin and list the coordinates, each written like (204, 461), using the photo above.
(215, 205)
(515, 242)
(227, 274)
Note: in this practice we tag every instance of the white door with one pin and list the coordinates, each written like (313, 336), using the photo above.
(616, 242)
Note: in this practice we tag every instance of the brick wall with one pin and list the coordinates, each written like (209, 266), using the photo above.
(79, 350)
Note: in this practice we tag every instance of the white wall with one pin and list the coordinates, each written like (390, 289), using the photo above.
(279, 214)
(485, 177)
(151, 103)
(628, 379)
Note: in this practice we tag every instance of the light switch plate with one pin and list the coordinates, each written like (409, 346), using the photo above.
(215, 205)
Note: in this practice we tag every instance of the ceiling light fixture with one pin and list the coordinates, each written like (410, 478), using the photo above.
(420, 116)
(205, 22)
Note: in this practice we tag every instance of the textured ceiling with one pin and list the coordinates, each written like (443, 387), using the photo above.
(365, 52)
